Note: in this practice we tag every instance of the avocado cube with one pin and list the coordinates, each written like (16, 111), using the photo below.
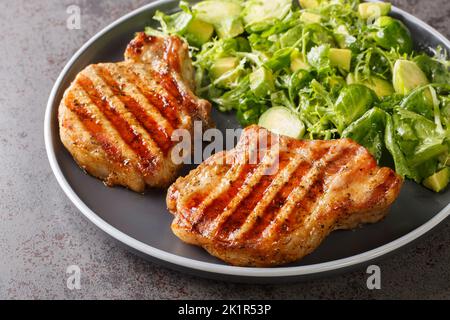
(341, 58)
(438, 181)
(309, 4)
(308, 18)
(199, 32)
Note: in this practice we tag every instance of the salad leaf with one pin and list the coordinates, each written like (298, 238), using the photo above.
(352, 103)
(369, 131)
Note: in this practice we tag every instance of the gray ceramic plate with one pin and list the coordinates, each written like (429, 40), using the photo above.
(142, 223)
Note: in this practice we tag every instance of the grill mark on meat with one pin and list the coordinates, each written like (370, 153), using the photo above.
(380, 191)
(172, 46)
(95, 129)
(246, 168)
(318, 189)
(219, 204)
(248, 204)
(307, 182)
(171, 85)
(267, 213)
(165, 105)
(325, 205)
(299, 158)
(161, 136)
(267, 165)
(132, 138)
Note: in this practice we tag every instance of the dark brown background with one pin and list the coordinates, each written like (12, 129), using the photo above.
(41, 232)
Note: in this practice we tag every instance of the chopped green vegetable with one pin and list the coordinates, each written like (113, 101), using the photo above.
(309, 17)
(390, 33)
(408, 76)
(261, 82)
(298, 62)
(341, 58)
(281, 120)
(260, 15)
(224, 15)
(199, 32)
(352, 103)
(224, 66)
(381, 87)
(369, 131)
(369, 9)
(438, 181)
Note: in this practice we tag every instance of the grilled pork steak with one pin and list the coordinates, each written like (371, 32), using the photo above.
(117, 119)
(281, 207)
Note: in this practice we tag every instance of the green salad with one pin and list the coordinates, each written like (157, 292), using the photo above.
(324, 69)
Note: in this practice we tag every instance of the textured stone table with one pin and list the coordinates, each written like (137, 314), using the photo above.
(41, 232)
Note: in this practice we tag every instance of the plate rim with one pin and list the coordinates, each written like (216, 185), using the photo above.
(208, 267)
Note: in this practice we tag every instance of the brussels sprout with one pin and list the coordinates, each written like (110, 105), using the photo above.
(354, 101)
(261, 82)
(436, 71)
(408, 76)
(368, 10)
(259, 15)
(224, 15)
(392, 33)
(283, 121)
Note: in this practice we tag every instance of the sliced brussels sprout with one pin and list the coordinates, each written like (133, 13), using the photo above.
(261, 14)
(353, 101)
(408, 76)
(392, 33)
(261, 82)
(369, 9)
(224, 15)
(282, 121)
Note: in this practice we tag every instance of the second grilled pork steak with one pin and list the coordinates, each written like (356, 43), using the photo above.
(245, 216)
(117, 119)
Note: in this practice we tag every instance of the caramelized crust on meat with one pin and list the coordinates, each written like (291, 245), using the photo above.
(279, 208)
(117, 119)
